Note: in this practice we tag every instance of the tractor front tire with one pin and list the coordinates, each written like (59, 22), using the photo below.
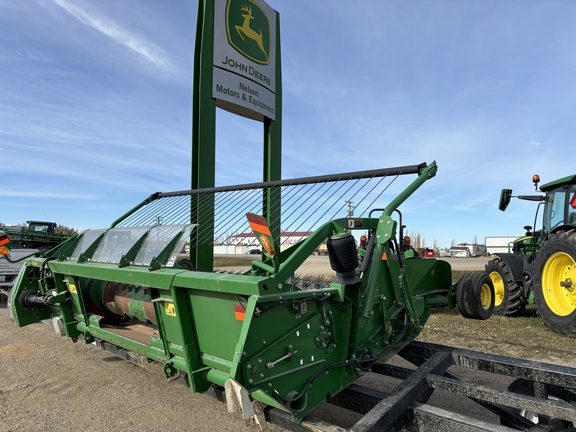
(508, 297)
(555, 282)
(475, 296)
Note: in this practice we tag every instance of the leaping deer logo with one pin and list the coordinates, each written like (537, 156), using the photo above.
(246, 30)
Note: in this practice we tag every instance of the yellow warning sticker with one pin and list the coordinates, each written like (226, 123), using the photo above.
(72, 288)
(170, 310)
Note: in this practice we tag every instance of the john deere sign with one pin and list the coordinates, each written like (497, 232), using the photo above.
(252, 43)
(244, 67)
(237, 68)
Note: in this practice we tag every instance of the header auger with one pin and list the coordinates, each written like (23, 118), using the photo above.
(257, 334)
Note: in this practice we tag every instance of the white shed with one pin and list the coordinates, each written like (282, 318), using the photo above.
(468, 250)
(459, 252)
(499, 244)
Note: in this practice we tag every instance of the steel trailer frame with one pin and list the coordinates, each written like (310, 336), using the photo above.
(408, 407)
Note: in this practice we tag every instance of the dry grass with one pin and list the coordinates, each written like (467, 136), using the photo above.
(234, 261)
(523, 337)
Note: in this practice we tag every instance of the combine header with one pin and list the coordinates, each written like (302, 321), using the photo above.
(265, 335)
(276, 343)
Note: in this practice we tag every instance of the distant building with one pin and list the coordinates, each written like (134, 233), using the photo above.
(459, 252)
(444, 252)
(464, 250)
(244, 242)
(249, 239)
(499, 244)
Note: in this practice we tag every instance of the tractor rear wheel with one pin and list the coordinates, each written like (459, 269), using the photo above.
(186, 264)
(508, 297)
(555, 282)
(475, 296)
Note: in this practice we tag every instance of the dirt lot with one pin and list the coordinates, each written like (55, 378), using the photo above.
(48, 383)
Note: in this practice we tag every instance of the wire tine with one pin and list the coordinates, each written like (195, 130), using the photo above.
(232, 212)
(380, 194)
(146, 217)
(284, 200)
(312, 201)
(336, 202)
(353, 195)
(225, 207)
(182, 210)
(236, 218)
(325, 201)
(206, 233)
(298, 203)
(304, 202)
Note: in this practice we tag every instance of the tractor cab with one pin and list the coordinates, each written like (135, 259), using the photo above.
(560, 204)
(41, 227)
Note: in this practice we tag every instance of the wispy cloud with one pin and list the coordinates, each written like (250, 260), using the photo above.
(146, 50)
(46, 194)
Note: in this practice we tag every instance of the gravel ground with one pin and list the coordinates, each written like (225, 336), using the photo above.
(48, 383)
(476, 263)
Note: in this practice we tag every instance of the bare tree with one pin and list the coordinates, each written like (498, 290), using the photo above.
(64, 230)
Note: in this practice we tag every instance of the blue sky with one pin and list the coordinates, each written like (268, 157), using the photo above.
(95, 104)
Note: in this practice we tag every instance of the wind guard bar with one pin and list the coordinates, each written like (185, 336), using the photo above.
(306, 204)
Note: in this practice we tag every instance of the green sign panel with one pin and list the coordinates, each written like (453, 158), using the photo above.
(252, 37)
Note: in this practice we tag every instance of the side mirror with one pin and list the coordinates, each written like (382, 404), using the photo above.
(505, 196)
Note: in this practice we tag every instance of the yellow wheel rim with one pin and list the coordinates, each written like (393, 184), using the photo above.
(485, 296)
(498, 288)
(558, 290)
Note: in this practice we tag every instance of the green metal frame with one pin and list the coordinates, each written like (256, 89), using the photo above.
(286, 346)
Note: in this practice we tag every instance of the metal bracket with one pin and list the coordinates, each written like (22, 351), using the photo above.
(238, 398)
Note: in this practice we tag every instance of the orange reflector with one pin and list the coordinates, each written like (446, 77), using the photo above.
(384, 257)
(258, 224)
(4, 250)
(573, 201)
(4, 240)
(239, 312)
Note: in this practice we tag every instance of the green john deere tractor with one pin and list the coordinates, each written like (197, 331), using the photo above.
(542, 265)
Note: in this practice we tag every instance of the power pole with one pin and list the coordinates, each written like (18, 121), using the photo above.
(350, 211)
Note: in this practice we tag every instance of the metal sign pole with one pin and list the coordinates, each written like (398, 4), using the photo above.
(236, 68)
